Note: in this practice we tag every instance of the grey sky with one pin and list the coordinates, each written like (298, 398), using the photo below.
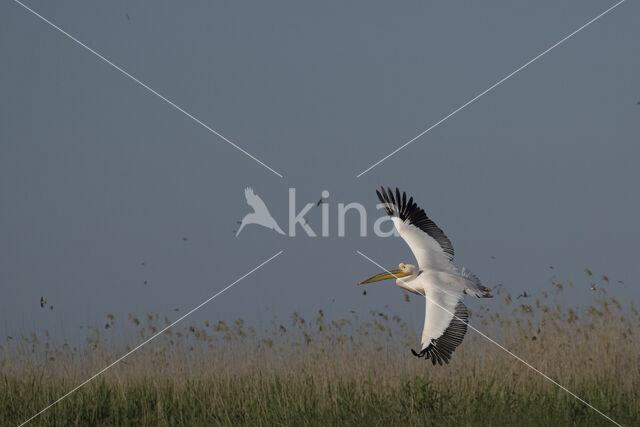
(97, 175)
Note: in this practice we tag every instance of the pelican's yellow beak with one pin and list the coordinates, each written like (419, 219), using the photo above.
(391, 274)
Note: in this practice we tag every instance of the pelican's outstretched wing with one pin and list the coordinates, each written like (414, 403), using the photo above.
(255, 202)
(445, 324)
(427, 241)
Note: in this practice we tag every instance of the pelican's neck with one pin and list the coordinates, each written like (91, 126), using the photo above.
(407, 283)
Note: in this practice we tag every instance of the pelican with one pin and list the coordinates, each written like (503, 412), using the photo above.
(260, 214)
(436, 277)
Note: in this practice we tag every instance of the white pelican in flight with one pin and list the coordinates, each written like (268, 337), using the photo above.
(260, 215)
(436, 277)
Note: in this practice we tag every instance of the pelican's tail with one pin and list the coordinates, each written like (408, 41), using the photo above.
(474, 286)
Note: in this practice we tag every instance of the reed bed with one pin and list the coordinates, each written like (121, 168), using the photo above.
(353, 370)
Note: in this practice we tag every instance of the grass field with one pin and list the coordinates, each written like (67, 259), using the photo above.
(347, 371)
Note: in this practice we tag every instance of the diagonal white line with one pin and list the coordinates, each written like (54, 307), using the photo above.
(168, 101)
(505, 349)
(148, 340)
(507, 77)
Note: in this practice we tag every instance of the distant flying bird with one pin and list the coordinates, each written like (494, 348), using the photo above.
(42, 302)
(260, 214)
(436, 277)
(523, 295)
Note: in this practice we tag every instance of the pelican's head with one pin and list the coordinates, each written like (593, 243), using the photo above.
(403, 270)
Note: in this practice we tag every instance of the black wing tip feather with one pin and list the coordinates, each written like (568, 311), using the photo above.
(384, 201)
(440, 349)
(409, 210)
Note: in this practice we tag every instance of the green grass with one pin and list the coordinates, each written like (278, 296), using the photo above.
(348, 371)
(278, 400)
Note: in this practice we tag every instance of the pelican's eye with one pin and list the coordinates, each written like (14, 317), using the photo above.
(403, 267)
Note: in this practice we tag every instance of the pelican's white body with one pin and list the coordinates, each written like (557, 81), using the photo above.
(435, 277)
(442, 292)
